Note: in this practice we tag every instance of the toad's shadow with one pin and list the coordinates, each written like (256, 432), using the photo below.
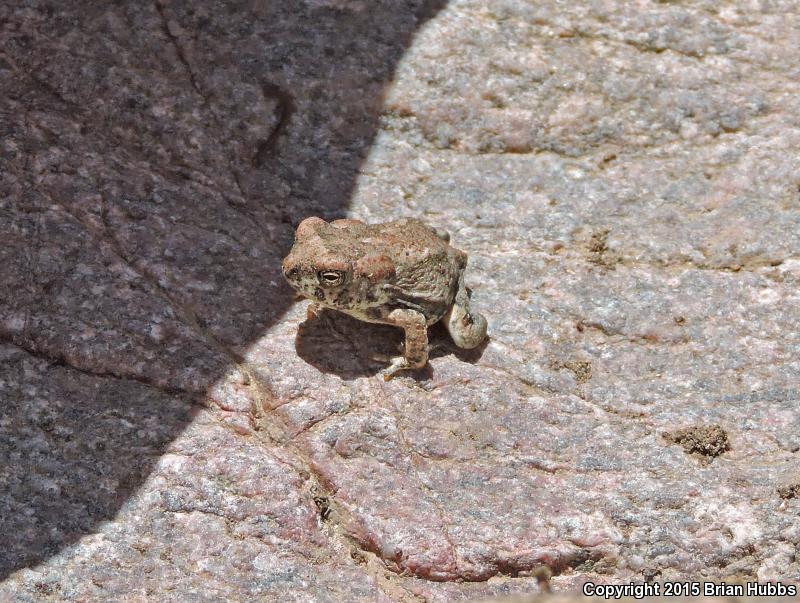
(339, 344)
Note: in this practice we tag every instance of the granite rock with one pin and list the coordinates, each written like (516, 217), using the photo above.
(625, 182)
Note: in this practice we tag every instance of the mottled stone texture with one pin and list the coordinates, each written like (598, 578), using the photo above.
(626, 180)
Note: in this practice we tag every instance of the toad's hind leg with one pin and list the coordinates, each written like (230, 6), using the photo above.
(468, 329)
(415, 354)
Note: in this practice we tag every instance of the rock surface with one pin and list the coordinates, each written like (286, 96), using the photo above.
(625, 181)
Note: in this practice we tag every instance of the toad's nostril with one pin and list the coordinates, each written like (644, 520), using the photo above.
(289, 272)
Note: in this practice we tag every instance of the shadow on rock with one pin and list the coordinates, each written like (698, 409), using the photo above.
(73, 448)
(350, 348)
(156, 158)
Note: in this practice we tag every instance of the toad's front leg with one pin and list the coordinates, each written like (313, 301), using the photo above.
(313, 311)
(415, 354)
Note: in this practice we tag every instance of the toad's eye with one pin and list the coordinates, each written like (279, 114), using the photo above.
(330, 278)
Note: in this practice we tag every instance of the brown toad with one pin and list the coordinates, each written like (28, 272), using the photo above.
(401, 273)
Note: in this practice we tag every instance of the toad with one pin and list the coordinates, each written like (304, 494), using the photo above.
(402, 273)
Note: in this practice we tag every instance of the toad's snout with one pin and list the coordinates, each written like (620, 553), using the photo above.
(289, 269)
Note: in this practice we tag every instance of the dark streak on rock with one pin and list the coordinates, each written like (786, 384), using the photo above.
(284, 111)
(178, 48)
(58, 359)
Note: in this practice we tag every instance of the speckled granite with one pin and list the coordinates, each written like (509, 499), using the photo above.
(625, 181)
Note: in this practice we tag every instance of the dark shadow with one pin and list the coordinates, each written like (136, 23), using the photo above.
(73, 449)
(336, 343)
(156, 158)
(345, 346)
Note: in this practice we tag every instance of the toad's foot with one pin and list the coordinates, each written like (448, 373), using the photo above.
(399, 363)
(313, 311)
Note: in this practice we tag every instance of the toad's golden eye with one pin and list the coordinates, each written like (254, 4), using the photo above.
(330, 278)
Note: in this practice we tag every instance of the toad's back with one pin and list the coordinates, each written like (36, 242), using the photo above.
(427, 268)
